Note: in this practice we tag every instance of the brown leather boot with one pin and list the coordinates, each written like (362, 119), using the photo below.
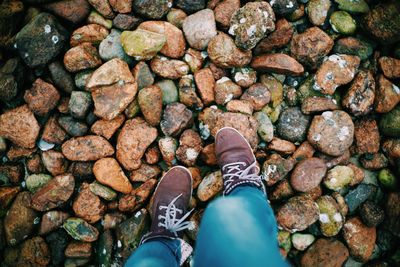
(236, 159)
(170, 204)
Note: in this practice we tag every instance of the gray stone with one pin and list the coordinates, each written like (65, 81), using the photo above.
(111, 48)
(359, 195)
(293, 125)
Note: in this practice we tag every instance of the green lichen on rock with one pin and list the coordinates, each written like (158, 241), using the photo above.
(354, 6)
(330, 219)
(142, 44)
(343, 23)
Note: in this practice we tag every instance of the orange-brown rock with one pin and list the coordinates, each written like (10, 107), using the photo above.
(87, 148)
(144, 173)
(121, 6)
(74, 11)
(108, 172)
(258, 95)
(133, 140)
(387, 95)
(169, 68)
(52, 220)
(282, 146)
(113, 88)
(42, 97)
(175, 45)
(280, 37)
(78, 249)
(34, 252)
(241, 106)
(55, 193)
(223, 11)
(317, 104)
(390, 67)
(54, 162)
(81, 57)
(308, 174)
(7, 195)
(87, 205)
(366, 134)
(20, 126)
(107, 128)
(53, 133)
(135, 200)
(277, 63)
(325, 252)
(190, 146)
(150, 103)
(205, 85)
(91, 33)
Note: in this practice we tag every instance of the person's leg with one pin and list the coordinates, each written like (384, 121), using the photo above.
(238, 230)
(159, 252)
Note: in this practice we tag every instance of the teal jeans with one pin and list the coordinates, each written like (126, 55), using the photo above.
(236, 231)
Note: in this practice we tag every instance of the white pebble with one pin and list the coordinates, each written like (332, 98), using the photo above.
(47, 28)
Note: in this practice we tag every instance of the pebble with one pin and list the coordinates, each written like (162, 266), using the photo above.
(42, 97)
(280, 37)
(52, 220)
(336, 70)
(168, 147)
(389, 124)
(174, 46)
(54, 193)
(371, 214)
(359, 6)
(169, 91)
(150, 101)
(91, 33)
(77, 249)
(276, 168)
(359, 195)
(359, 238)
(194, 59)
(103, 8)
(191, 5)
(187, 93)
(81, 57)
(96, 18)
(105, 245)
(74, 11)
(282, 146)
(251, 23)
(136, 135)
(20, 126)
(18, 222)
(342, 22)
(292, 125)
(205, 85)
(366, 134)
(41, 40)
(111, 47)
(176, 17)
(258, 95)
(144, 173)
(308, 174)
(241, 106)
(72, 127)
(34, 252)
(102, 191)
(126, 22)
(224, 53)
(325, 252)
(169, 68)
(224, 10)
(390, 67)
(332, 132)
(142, 44)
(176, 118)
(87, 205)
(359, 99)
(297, 214)
(381, 23)
(54, 162)
(277, 63)
(61, 78)
(317, 104)
(199, 28)
(11, 78)
(143, 75)
(244, 77)
(226, 90)
(87, 148)
(330, 219)
(311, 46)
(265, 129)
(387, 95)
(210, 186)
(338, 177)
(80, 230)
(190, 146)
(387, 179)
(152, 9)
(317, 11)
(392, 213)
(302, 241)
(113, 88)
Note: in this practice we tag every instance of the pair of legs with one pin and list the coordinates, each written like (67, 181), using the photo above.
(238, 229)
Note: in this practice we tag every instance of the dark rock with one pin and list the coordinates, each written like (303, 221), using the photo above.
(359, 195)
(74, 11)
(153, 9)
(79, 104)
(61, 77)
(80, 230)
(11, 79)
(126, 22)
(371, 214)
(11, 16)
(57, 242)
(105, 248)
(34, 252)
(390, 123)
(191, 6)
(293, 124)
(73, 127)
(284, 7)
(41, 40)
(176, 118)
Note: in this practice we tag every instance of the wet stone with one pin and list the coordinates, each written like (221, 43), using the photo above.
(190, 146)
(293, 125)
(311, 46)
(359, 195)
(175, 119)
(325, 252)
(199, 28)
(72, 126)
(251, 23)
(210, 186)
(276, 168)
(359, 6)
(317, 11)
(54, 193)
(87, 148)
(338, 177)
(51, 221)
(133, 140)
(390, 67)
(359, 98)
(80, 230)
(77, 249)
(375, 161)
(371, 214)
(107, 128)
(20, 126)
(34, 252)
(308, 174)
(105, 247)
(332, 132)
(297, 214)
(41, 40)
(366, 134)
(87, 205)
(81, 57)
(387, 95)
(277, 63)
(330, 218)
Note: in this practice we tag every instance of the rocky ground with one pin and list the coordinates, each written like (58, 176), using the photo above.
(98, 98)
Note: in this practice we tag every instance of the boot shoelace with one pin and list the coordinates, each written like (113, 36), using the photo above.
(233, 172)
(171, 222)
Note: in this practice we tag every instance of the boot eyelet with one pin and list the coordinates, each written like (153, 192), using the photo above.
(159, 225)
(159, 217)
(159, 208)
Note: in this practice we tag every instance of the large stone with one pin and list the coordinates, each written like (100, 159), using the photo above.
(87, 148)
(108, 172)
(176, 118)
(20, 126)
(199, 28)
(41, 40)
(153, 9)
(332, 132)
(133, 140)
(87, 205)
(330, 218)
(150, 100)
(74, 11)
(19, 221)
(54, 194)
(293, 125)
(142, 44)
(325, 252)
(113, 88)
(80, 230)
(308, 174)
(277, 63)
(390, 123)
